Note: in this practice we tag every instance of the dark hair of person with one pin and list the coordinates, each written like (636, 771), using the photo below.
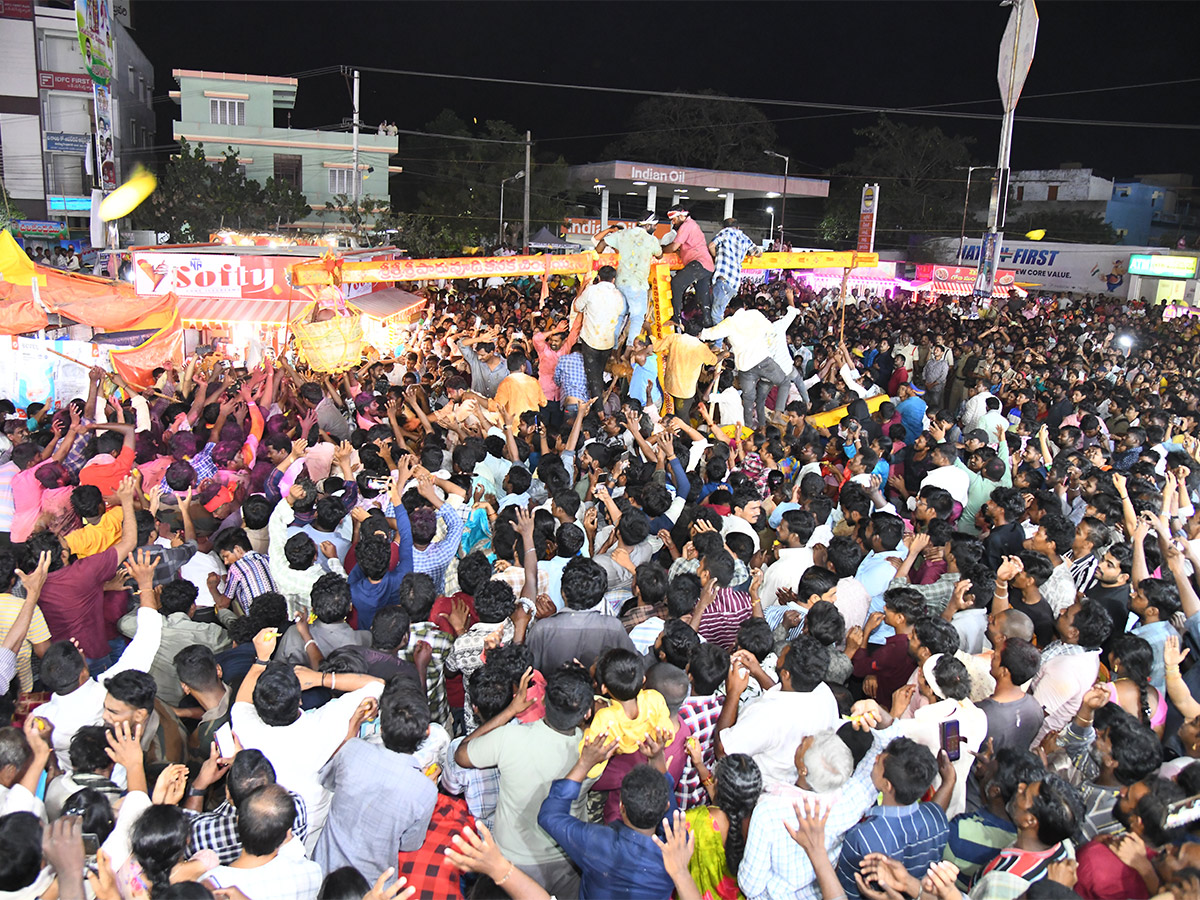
(826, 623)
(1021, 658)
(755, 635)
(346, 883)
(277, 695)
(739, 785)
(1058, 809)
(584, 583)
(404, 718)
(390, 628)
(62, 665)
(678, 642)
(621, 673)
(568, 698)
(910, 767)
(952, 678)
(159, 841)
(417, 595)
(683, 593)
(708, 667)
(645, 796)
(21, 838)
(136, 690)
(330, 597)
(806, 661)
(494, 601)
(1137, 658)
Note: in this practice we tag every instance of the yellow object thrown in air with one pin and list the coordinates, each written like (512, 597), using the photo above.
(1036, 235)
(128, 196)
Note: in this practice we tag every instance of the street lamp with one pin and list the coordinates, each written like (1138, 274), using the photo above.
(517, 177)
(962, 231)
(787, 161)
(771, 210)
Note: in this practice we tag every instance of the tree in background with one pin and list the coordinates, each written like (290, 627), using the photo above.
(10, 213)
(921, 174)
(197, 196)
(708, 134)
(1072, 227)
(455, 181)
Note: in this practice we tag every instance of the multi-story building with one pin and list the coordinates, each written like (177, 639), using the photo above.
(222, 110)
(47, 113)
(1070, 188)
(1155, 211)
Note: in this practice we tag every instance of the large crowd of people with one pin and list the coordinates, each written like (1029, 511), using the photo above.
(803, 598)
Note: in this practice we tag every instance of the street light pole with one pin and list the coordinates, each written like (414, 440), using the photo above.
(771, 210)
(500, 234)
(787, 161)
(962, 231)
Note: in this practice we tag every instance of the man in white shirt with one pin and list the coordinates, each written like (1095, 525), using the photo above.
(976, 405)
(748, 333)
(745, 511)
(772, 727)
(298, 743)
(948, 476)
(601, 305)
(262, 872)
(793, 558)
(78, 698)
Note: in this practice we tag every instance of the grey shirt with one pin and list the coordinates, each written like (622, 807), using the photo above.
(328, 638)
(381, 803)
(1014, 724)
(331, 421)
(575, 634)
(484, 380)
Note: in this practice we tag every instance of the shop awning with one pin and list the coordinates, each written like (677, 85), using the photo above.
(385, 303)
(235, 309)
(963, 289)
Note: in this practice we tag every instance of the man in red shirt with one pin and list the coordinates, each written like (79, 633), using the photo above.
(113, 459)
(697, 263)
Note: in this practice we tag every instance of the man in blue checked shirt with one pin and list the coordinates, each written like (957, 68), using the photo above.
(900, 826)
(729, 248)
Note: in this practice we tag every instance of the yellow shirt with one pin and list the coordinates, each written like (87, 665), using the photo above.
(92, 539)
(653, 717)
(38, 633)
(519, 393)
(685, 357)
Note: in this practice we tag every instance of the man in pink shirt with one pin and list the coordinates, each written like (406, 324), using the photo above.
(549, 348)
(697, 269)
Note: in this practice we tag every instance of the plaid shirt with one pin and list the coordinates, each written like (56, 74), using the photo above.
(1098, 801)
(206, 469)
(75, 458)
(700, 714)
(732, 246)
(427, 869)
(937, 594)
(681, 566)
(434, 559)
(640, 614)
(570, 377)
(479, 787)
(442, 644)
(247, 578)
(217, 830)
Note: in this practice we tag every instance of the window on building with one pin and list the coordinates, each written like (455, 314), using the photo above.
(133, 131)
(1121, 232)
(1052, 192)
(142, 88)
(226, 112)
(288, 168)
(1020, 195)
(341, 181)
(132, 79)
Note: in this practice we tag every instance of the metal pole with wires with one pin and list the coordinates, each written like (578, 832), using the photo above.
(355, 183)
(525, 237)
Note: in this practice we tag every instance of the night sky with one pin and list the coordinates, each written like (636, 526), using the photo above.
(886, 54)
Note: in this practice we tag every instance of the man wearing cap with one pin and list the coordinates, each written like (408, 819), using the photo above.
(638, 247)
(697, 262)
(729, 247)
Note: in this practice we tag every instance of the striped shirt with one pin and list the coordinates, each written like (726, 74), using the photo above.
(915, 835)
(975, 840)
(721, 619)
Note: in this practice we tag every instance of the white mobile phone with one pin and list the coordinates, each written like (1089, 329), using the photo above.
(224, 738)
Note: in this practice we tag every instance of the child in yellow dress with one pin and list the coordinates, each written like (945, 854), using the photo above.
(632, 714)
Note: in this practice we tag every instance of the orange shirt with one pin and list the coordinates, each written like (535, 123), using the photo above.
(108, 475)
(519, 393)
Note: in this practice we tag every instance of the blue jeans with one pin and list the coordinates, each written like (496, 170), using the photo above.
(636, 299)
(723, 291)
